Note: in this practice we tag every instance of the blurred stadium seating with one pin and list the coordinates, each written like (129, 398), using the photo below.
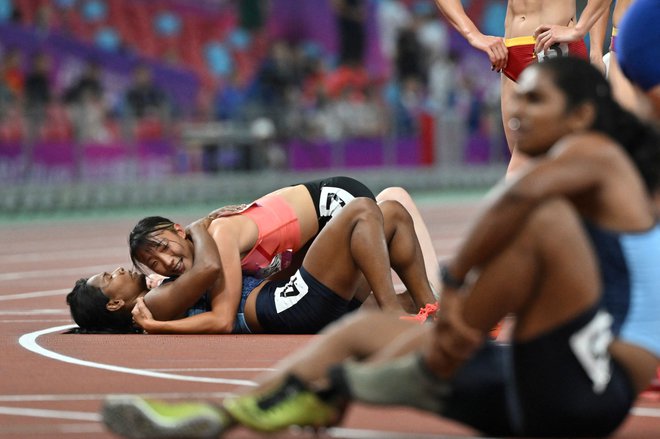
(207, 63)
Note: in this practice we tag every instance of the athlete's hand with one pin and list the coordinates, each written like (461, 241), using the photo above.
(548, 34)
(200, 224)
(452, 341)
(141, 314)
(494, 47)
(228, 210)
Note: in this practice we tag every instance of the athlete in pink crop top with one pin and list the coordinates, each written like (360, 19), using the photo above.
(279, 235)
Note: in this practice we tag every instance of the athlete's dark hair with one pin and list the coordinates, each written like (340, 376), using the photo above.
(141, 236)
(583, 83)
(88, 309)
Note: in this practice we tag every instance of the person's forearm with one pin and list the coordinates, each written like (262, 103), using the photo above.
(206, 259)
(495, 227)
(204, 323)
(594, 10)
(597, 36)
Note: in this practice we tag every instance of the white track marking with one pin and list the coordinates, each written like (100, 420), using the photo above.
(99, 396)
(35, 294)
(75, 271)
(55, 414)
(36, 312)
(29, 342)
(63, 255)
(218, 369)
(646, 411)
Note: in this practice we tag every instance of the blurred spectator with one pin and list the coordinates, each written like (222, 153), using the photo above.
(9, 12)
(252, 14)
(37, 94)
(278, 74)
(12, 73)
(230, 98)
(351, 17)
(409, 60)
(392, 16)
(37, 83)
(43, 20)
(143, 97)
(442, 77)
(432, 33)
(87, 107)
(87, 87)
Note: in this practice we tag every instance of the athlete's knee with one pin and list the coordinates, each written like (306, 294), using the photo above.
(364, 209)
(395, 213)
(395, 193)
(551, 216)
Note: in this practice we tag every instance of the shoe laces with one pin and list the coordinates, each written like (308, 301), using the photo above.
(428, 310)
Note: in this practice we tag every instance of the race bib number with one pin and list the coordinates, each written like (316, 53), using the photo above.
(333, 200)
(590, 346)
(288, 295)
(557, 50)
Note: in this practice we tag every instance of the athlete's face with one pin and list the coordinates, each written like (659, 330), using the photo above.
(538, 117)
(120, 285)
(171, 255)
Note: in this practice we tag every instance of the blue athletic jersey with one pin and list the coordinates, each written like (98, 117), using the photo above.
(630, 272)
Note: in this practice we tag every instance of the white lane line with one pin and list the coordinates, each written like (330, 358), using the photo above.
(63, 255)
(32, 295)
(36, 312)
(29, 342)
(75, 271)
(55, 414)
(646, 411)
(100, 396)
(217, 369)
(354, 433)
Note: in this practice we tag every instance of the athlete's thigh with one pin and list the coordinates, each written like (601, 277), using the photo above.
(545, 275)
(330, 257)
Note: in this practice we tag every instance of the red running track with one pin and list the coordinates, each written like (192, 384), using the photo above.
(52, 385)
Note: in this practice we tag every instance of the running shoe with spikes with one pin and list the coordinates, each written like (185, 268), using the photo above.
(134, 417)
(290, 404)
(424, 314)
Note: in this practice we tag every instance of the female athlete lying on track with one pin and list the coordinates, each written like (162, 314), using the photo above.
(569, 245)
(361, 243)
(263, 237)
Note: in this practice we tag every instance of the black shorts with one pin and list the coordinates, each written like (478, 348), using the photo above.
(299, 305)
(561, 384)
(330, 195)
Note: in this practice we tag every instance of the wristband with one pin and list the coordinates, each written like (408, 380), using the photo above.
(449, 280)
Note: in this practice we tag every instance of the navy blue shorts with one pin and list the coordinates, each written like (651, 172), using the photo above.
(330, 195)
(299, 305)
(561, 384)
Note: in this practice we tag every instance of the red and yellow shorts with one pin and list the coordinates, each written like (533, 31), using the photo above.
(521, 54)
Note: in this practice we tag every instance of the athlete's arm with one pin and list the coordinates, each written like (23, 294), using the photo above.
(171, 299)
(548, 34)
(597, 41)
(577, 165)
(493, 46)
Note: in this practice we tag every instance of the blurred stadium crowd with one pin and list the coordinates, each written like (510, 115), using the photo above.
(109, 89)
